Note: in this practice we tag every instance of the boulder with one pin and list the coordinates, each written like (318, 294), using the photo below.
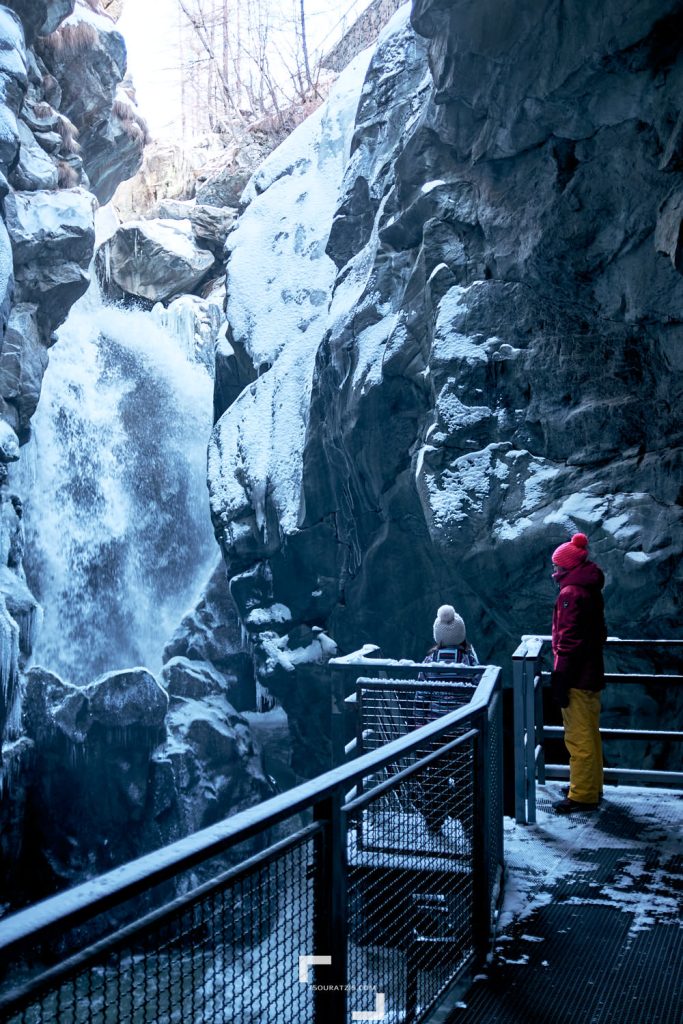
(35, 169)
(210, 224)
(117, 774)
(165, 174)
(224, 188)
(194, 679)
(118, 704)
(92, 798)
(40, 17)
(23, 361)
(153, 260)
(215, 766)
(48, 227)
(198, 679)
(52, 236)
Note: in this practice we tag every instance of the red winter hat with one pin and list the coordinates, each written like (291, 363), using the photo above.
(569, 555)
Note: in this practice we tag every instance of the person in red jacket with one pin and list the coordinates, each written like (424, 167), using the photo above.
(578, 637)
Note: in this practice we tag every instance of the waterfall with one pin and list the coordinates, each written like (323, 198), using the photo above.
(119, 538)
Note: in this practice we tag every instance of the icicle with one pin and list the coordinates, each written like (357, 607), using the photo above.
(265, 701)
(11, 684)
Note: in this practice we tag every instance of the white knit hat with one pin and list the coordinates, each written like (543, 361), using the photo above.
(449, 629)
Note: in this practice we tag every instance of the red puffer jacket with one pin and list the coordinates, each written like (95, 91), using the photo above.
(579, 630)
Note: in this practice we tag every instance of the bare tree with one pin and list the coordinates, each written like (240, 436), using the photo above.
(244, 61)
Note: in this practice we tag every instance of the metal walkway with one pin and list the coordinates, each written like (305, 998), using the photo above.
(591, 930)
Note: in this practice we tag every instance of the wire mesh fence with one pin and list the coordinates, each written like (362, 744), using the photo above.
(386, 893)
(226, 952)
(410, 879)
(389, 708)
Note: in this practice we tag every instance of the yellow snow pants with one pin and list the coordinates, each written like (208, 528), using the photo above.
(582, 740)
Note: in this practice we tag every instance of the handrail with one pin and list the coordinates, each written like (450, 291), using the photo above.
(529, 731)
(91, 898)
(615, 641)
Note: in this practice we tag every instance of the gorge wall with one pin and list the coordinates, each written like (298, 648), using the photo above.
(106, 512)
(69, 135)
(496, 325)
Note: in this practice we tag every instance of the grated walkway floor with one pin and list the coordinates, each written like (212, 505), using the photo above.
(591, 930)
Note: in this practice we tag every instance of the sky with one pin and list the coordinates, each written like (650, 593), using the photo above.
(150, 28)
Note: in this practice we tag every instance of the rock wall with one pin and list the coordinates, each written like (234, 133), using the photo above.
(500, 347)
(61, 67)
(363, 33)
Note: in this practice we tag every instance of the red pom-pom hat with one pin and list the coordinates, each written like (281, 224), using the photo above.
(569, 555)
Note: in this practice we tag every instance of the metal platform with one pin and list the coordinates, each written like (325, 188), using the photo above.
(591, 930)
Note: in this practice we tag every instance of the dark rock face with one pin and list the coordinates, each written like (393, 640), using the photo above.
(213, 762)
(86, 56)
(40, 17)
(208, 646)
(503, 349)
(116, 772)
(90, 805)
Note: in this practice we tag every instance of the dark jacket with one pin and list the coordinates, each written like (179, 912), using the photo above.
(579, 630)
(431, 704)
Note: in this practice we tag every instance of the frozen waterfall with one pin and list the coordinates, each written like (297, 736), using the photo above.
(119, 538)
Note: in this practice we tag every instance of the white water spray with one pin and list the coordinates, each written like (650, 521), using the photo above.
(117, 516)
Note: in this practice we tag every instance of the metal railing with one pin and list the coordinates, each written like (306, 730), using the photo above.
(339, 900)
(531, 733)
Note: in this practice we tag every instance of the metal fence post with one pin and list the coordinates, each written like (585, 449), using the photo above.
(540, 727)
(481, 847)
(330, 913)
(518, 660)
(337, 718)
(530, 740)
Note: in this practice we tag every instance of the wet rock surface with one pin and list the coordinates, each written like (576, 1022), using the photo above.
(121, 766)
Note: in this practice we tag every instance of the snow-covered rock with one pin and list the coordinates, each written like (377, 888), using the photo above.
(224, 188)
(210, 224)
(51, 226)
(279, 268)
(116, 702)
(216, 767)
(40, 17)
(116, 773)
(495, 361)
(52, 236)
(153, 260)
(210, 637)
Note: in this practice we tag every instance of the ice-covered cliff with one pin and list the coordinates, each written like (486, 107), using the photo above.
(488, 355)
(68, 135)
